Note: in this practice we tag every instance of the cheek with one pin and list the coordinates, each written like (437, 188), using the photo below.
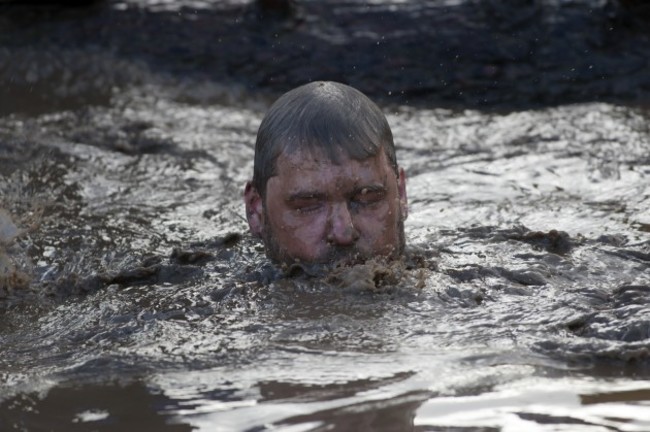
(300, 232)
(380, 227)
(376, 223)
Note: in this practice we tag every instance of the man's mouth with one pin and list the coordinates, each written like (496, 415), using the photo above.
(344, 257)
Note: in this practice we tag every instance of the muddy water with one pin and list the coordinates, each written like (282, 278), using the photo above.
(132, 297)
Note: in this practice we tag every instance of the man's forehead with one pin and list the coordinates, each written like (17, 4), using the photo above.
(315, 158)
(314, 173)
(300, 158)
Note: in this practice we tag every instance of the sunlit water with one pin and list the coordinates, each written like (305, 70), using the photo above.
(132, 297)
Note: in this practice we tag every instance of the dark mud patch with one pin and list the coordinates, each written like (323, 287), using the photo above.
(522, 277)
(202, 252)
(557, 242)
(488, 54)
(553, 241)
(182, 266)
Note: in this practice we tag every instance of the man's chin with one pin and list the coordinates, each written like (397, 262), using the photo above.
(347, 261)
(326, 262)
(318, 267)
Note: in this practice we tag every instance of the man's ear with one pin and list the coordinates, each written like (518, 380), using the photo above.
(401, 189)
(254, 209)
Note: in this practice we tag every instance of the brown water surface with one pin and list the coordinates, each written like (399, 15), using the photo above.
(133, 298)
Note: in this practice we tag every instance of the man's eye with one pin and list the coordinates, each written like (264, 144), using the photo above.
(368, 197)
(307, 207)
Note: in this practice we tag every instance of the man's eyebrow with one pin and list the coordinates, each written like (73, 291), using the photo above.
(374, 188)
(305, 195)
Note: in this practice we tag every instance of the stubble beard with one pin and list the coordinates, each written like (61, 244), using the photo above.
(335, 255)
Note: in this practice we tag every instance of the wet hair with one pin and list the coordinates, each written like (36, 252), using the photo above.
(321, 116)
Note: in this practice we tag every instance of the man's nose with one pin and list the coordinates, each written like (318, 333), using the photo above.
(341, 226)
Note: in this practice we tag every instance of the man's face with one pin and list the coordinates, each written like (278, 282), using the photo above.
(316, 211)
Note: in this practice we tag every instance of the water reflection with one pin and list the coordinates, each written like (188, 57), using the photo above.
(394, 414)
(97, 407)
(543, 406)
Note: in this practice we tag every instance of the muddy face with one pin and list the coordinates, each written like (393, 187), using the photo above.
(318, 211)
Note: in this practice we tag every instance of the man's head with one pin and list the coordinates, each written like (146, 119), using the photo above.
(326, 186)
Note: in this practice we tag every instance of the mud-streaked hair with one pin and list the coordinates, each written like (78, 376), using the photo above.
(321, 116)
